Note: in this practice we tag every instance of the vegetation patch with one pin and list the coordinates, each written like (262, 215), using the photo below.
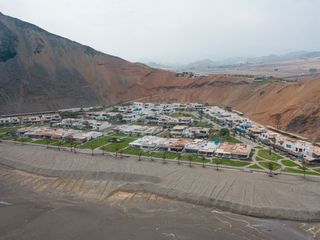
(165, 134)
(55, 142)
(317, 170)
(299, 171)
(289, 163)
(95, 143)
(229, 162)
(275, 166)
(193, 158)
(255, 166)
(5, 130)
(116, 146)
(259, 159)
(168, 155)
(203, 124)
(267, 154)
(182, 114)
(45, 141)
(134, 151)
(229, 139)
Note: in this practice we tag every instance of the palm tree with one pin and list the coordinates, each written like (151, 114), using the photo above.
(22, 140)
(47, 142)
(74, 147)
(271, 167)
(304, 168)
(92, 148)
(117, 150)
(179, 157)
(273, 144)
(201, 116)
(164, 157)
(105, 151)
(15, 138)
(203, 160)
(190, 160)
(217, 161)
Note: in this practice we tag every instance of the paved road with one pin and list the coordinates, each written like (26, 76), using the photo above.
(288, 197)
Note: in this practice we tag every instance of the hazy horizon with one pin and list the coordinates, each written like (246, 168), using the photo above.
(178, 31)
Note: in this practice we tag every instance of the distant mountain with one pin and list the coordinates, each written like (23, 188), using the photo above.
(285, 57)
(237, 61)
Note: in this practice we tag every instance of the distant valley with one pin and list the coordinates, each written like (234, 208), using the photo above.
(293, 66)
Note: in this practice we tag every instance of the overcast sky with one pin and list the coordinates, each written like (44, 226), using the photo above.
(178, 30)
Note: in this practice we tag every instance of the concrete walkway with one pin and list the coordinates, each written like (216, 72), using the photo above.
(96, 177)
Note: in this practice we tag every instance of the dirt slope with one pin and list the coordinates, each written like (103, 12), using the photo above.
(298, 103)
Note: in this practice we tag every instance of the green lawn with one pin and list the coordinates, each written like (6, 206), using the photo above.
(165, 134)
(255, 166)
(5, 130)
(8, 137)
(203, 124)
(229, 139)
(265, 153)
(259, 159)
(229, 162)
(289, 163)
(137, 123)
(113, 147)
(299, 171)
(16, 138)
(276, 166)
(182, 114)
(95, 143)
(194, 158)
(169, 155)
(53, 142)
(134, 151)
(45, 141)
(25, 139)
(118, 135)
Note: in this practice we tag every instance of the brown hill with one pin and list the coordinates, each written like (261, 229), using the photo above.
(298, 104)
(42, 71)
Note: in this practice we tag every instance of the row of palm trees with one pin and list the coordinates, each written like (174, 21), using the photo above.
(216, 161)
(271, 167)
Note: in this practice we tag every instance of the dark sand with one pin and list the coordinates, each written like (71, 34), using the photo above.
(25, 214)
(46, 194)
